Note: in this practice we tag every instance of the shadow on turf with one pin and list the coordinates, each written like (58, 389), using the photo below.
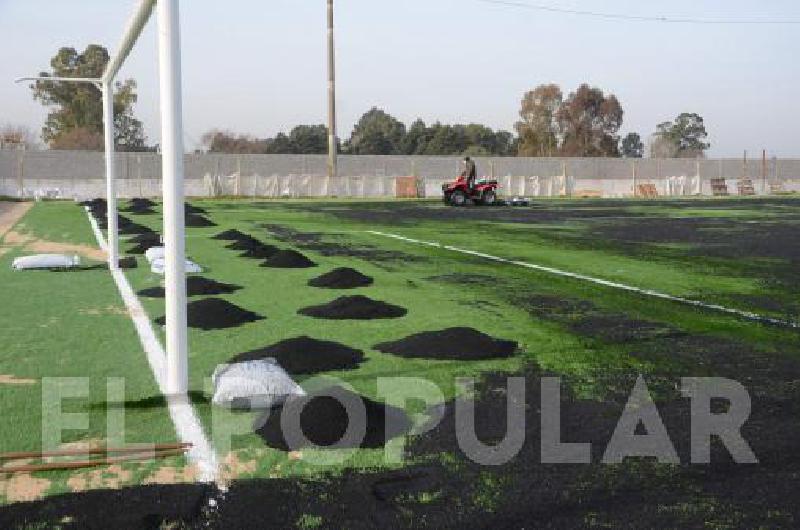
(153, 402)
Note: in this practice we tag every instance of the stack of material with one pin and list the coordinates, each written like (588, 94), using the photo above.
(648, 191)
(259, 384)
(155, 256)
(719, 188)
(46, 261)
(745, 187)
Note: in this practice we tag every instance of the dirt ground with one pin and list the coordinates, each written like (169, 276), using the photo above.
(11, 213)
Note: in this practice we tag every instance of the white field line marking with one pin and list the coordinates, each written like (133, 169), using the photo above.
(187, 424)
(614, 285)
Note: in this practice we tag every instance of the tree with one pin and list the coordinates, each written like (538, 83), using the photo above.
(17, 137)
(588, 122)
(537, 127)
(377, 133)
(80, 106)
(632, 146)
(416, 139)
(684, 138)
(309, 139)
(216, 141)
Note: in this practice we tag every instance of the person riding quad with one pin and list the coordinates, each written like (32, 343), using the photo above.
(470, 173)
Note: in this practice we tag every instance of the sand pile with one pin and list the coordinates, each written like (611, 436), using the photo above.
(465, 344)
(341, 278)
(195, 286)
(354, 308)
(288, 259)
(214, 313)
(324, 421)
(304, 355)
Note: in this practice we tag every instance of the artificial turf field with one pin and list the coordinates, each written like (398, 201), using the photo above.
(741, 254)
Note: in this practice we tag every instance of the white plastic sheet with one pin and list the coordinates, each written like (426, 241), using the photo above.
(46, 261)
(253, 384)
(158, 265)
(154, 253)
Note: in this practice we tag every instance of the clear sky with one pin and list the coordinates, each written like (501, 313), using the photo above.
(258, 66)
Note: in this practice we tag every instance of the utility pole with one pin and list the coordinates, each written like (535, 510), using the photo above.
(332, 154)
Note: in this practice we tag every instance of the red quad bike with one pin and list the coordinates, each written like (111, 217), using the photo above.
(457, 193)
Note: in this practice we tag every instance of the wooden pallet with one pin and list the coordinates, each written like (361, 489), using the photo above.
(719, 188)
(406, 188)
(647, 191)
(588, 194)
(745, 187)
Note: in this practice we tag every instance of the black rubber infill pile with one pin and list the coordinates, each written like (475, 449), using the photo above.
(141, 207)
(143, 242)
(230, 235)
(288, 259)
(198, 221)
(324, 421)
(214, 313)
(195, 286)
(464, 344)
(341, 278)
(304, 355)
(251, 247)
(354, 308)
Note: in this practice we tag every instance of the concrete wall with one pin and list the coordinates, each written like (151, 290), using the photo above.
(81, 174)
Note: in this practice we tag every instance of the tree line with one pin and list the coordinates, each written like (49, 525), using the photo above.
(584, 123)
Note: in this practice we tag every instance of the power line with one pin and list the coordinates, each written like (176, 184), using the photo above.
(637, 18)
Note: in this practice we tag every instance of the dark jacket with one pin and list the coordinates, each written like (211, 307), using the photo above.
(470, 172)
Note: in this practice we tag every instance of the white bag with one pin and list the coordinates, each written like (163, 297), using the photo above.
(157, 266)
(154, 253)
(253, 384)
(46, 261)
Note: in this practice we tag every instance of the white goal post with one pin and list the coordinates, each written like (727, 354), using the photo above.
(169, 61)
(169, 68)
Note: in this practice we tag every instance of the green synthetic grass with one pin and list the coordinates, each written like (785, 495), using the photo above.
(69, 325)
(74, 343)
(278, 294)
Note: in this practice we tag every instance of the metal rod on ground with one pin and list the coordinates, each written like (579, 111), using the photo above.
(332, 154)
(93, 463)
(174, 223)
(92, 451)
(111, 185)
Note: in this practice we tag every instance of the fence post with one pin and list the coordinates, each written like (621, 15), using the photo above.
(633, 176)
(139, 174)
(238, 176)
(21, 174)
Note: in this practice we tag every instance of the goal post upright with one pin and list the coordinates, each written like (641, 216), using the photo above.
(111, 185)
(169, 64)
(132, 32)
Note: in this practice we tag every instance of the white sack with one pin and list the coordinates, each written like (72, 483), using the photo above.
(46, 261)
(157, 266)
(253, 384)
(154, 253)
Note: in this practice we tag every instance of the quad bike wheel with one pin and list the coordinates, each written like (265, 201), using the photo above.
(458, 198)
(489, 198)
